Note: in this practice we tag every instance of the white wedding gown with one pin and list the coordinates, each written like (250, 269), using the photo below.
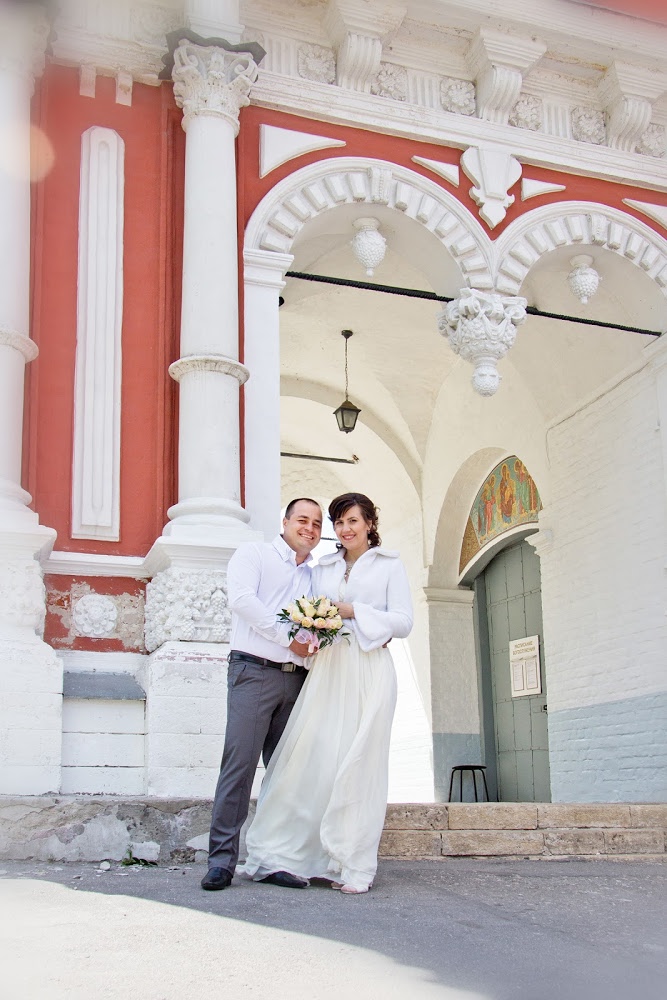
(322, 804)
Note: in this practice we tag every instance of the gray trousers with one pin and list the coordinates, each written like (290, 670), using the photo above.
(259, 701)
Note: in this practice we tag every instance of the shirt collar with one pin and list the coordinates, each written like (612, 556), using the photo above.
(287, 553)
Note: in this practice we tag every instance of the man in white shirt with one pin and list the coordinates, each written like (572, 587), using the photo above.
(265, 675)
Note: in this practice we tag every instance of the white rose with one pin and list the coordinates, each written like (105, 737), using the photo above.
(332, 612)
(320, 623)
(308, 609)
(296, 616)
(307, 622)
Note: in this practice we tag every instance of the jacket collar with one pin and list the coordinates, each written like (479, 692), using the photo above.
(337, 556)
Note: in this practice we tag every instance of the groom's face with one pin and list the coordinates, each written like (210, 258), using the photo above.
(302, 530)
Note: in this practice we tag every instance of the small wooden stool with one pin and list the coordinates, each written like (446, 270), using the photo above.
(473, 768)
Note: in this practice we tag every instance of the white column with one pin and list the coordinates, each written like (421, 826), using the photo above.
(211, 85)
(264, 271)
(30, 674)
(213, 18)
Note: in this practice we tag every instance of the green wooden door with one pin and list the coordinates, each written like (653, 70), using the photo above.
(513, 611)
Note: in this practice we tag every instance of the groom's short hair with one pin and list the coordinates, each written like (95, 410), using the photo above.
(292, 504)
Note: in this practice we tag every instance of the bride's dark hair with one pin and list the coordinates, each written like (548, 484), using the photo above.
(340, 505)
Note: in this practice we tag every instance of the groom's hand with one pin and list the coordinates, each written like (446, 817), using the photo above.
(300, 648)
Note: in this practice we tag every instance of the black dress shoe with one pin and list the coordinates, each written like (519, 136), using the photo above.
(286, 880)
(216, 878)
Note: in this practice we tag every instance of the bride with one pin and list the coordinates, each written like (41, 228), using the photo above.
(322, 803)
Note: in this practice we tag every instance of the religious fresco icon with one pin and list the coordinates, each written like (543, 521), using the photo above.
(508, 497)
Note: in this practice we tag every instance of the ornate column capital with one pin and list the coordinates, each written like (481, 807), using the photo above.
(481, 328)
(24, 32)
(214, 79)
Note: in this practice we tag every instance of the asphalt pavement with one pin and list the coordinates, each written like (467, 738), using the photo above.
(453, 930)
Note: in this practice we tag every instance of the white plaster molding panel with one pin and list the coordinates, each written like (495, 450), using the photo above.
(656, 212)
(481, 328)
(493, 173)
(391, 82)
(458, 96)
(22, 593)
(449, 171)
(587, 125)
(315, 62)
(187, 605)
(653, 142)
(533, 189)
(322, 186)
(94, 615)
(579, 225)
(499, 62)
(527, 113)
(97, 386)
(278, 145)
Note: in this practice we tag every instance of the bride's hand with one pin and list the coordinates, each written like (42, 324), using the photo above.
(345, 610)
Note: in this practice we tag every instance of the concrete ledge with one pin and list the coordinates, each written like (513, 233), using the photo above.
(98, 827)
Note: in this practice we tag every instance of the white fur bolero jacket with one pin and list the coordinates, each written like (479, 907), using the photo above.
(378, 589)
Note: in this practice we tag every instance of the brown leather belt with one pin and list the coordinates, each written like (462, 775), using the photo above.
(287, 668)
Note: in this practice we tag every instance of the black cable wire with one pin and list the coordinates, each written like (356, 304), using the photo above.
(416, 293)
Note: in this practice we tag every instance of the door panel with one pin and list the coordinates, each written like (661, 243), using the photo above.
(513, 604)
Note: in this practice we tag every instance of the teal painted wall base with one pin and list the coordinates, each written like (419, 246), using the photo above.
(450, 749)
(614, 752)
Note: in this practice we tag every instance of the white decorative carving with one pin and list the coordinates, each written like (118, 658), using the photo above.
(532, 189)
(124, 84)
(187, 605)
(211, 80)
(527, 113)
(279, 145)
(327, 184)
(369, 245)
(628, 93)
(450, 171)
(151, 24)
(97, 388)
(358, 61)
(458, 96)
(656, 212)
(94, 615)
(587, 125)
(577, 224)
(317, 63)
(583, 279)
(499, 62)
(493, 173)
(209, 363)
(22, 594)
(24, 345)
(481, 328)
(391, 81)
(653, 142)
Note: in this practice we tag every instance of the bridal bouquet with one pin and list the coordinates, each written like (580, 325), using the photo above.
(314, 620)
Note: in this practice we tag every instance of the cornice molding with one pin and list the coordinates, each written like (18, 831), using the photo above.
(340, 107)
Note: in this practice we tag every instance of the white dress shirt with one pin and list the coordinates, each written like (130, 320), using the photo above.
(262, 579)
(378, 589)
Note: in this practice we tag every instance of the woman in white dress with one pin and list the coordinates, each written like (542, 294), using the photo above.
(322, 804)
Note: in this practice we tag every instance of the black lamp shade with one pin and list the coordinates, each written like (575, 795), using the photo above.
(346, 415)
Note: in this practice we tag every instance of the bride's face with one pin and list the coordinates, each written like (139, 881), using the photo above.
(352, 530)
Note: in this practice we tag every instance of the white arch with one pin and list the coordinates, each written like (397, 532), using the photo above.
(576, 224)
(344, 180)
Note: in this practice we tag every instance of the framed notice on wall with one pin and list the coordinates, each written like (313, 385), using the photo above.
(525, 672)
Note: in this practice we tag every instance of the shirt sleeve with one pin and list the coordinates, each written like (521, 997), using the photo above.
(243, 576)
(375, 627)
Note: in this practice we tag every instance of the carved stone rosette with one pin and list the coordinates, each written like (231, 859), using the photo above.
(22, 595)
(187, 605)
(209, 80)
(94, 615)
(481, 328)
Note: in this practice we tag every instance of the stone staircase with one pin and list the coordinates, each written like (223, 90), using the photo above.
(525, 829)
(99, 827)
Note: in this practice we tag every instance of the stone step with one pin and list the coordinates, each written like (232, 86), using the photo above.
(99, 827)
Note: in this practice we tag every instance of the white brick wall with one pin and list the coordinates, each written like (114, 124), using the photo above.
(103, 746)
(603, 590)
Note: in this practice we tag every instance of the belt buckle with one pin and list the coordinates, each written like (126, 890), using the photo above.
(288, 668)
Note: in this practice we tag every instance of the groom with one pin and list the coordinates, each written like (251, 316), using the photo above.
(264, 677)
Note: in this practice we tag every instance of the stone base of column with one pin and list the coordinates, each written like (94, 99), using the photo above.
(31, 675)
(186, 715)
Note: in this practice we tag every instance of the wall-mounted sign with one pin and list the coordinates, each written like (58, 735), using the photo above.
(525, 666)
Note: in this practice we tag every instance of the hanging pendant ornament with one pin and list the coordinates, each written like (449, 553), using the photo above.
(369, 245)
(584, 279)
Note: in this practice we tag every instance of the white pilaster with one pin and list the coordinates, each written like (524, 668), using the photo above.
(214, 18)
(30, 674)
(264, 271)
